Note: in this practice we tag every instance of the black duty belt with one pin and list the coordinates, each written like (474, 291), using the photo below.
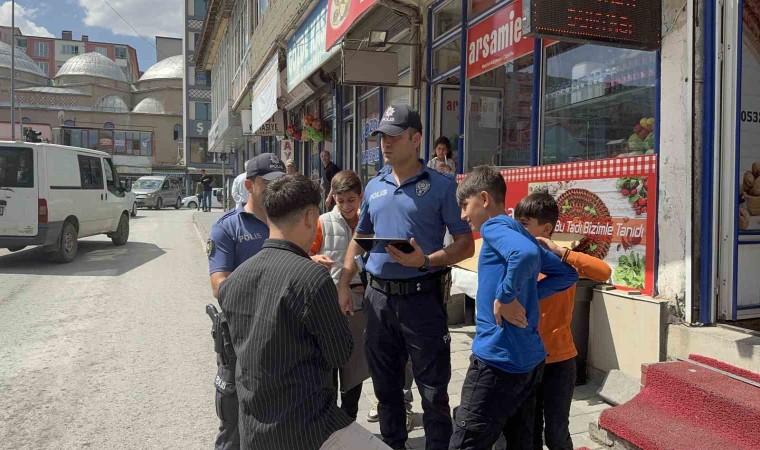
(420, 285)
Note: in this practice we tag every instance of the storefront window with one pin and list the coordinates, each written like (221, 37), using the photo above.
(399, 95)
(348, 94)
(198, 151)
(327, 107)
(447, 18)
(119, 143)
(499, 123)
(146, 144)
(599, 102)
(105, 141)
(370, 161)
(447, 56)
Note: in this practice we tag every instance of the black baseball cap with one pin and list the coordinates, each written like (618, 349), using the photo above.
(397, 119)
(266, 165)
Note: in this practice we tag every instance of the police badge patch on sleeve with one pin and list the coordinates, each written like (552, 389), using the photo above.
(209, 247)
(422, 187)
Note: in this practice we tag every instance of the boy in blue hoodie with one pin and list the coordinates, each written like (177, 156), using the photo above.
(498, 395)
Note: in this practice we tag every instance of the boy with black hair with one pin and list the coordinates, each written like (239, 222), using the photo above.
(289, 333)
(538, 213)
(498, 394)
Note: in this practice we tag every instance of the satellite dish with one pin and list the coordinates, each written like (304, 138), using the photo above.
(61, 115)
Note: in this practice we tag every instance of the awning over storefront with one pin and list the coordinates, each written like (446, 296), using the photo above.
(264, 94)
(225, 131)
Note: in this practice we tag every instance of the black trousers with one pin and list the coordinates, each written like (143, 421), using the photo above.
(226, 406)
(349, 400)
(553, 398)
(411, 326)
(495, 402)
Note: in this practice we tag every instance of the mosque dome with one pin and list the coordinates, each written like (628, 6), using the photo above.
(23, 61)
(171, 67)
(112, 103)
(149, 105)
(94, 65)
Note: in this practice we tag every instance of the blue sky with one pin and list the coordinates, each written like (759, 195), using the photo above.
(97, 20)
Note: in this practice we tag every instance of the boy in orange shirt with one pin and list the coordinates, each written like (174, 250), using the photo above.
(539, 213)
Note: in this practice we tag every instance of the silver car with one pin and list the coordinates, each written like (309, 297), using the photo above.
(157, 192)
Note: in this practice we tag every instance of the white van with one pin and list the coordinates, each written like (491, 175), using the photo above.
(51, 195)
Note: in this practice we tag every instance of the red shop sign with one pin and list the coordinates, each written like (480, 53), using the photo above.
(497, 40)
(341, 14)
(613, 202)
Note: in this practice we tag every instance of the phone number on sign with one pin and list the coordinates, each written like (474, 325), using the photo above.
(751, 116)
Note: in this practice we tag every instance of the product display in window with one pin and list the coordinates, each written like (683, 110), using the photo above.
(599, 102)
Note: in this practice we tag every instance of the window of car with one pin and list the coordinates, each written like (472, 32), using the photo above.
(90, 172)
(113, 184)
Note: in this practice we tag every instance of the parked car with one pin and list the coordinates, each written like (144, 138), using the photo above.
(157, 192)
(192, 201)
(52, 195)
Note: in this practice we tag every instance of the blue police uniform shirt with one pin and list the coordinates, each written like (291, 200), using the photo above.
(234, 238)
(421, 208)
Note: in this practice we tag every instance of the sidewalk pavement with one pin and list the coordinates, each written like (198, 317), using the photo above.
(586, 406)
(204, 220)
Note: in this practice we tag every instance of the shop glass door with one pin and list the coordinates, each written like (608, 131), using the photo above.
(370, 161)
(739, 187)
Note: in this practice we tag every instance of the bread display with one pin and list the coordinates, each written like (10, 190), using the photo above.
(743, 219)
(748, 181)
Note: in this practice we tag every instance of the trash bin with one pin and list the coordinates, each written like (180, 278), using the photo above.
(584, 292)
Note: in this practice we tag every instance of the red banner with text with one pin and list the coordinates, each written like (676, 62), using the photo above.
(612, 202)
(341, 14)
(497, 40)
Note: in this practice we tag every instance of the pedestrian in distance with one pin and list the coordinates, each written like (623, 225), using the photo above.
(236, 237)
(329, 170)
(538, 213)
(498, 394)
(199, 193)
(406, 293)
(443, 161)
(290, 167)
(289, 334)
(208, 185)
(239, 193)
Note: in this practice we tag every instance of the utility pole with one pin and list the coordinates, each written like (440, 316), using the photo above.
(13, 70)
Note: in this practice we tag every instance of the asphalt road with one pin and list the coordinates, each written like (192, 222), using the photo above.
(112, 350)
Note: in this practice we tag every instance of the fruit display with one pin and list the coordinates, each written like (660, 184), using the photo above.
(635, 190)
(643, 138)
(579, 206)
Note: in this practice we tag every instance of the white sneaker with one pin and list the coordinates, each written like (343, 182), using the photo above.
(372, 414)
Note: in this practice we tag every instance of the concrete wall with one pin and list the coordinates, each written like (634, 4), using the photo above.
(735, 347)
(674, 195)
(625, 332)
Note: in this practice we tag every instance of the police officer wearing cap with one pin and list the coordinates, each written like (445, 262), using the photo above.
(404, 301)
(235, 237)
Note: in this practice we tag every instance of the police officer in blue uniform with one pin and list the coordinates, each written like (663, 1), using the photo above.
(235, 237)
(404, 301)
